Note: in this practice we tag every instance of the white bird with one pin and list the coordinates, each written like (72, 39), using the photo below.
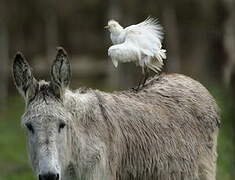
(140, 43)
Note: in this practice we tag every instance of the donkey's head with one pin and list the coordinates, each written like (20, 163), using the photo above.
(45, 118)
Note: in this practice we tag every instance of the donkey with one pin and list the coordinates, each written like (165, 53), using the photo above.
(165, 131)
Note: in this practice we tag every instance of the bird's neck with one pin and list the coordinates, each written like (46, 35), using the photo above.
(117, 31)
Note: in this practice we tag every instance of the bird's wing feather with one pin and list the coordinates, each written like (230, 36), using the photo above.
(147, 37)
(148, 27)
(125, 52)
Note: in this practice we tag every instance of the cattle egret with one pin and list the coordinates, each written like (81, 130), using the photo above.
(140, 43)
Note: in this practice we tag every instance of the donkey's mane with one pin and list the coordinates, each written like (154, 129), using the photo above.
(44, 90)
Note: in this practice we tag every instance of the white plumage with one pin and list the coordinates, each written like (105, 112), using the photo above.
(140, 43)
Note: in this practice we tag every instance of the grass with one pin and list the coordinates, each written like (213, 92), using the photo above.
(13, 156)
(226, 140)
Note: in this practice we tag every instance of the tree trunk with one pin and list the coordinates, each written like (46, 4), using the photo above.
(172, 38)
(51, 29)
(229, 41)
(4, 56)
(114, 78)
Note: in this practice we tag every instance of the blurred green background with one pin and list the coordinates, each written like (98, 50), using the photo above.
(200, 43)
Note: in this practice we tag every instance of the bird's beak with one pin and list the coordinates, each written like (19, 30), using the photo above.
(106, 27)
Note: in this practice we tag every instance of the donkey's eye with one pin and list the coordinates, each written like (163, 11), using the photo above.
(30, 127)
(61, 126)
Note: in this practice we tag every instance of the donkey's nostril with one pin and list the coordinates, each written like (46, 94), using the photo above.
(57, 176)
(40, 177)
(49, 176)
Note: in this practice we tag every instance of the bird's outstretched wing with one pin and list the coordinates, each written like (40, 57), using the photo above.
(147, 37)
(150, 28)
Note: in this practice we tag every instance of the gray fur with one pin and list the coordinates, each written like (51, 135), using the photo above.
(166, 131)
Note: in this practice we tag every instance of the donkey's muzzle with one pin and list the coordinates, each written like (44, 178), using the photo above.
(49, 176)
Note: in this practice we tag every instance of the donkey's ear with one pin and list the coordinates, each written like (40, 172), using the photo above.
(60, 73)
(23, 77)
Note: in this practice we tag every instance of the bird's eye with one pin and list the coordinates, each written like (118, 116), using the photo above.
(61, 126)
(30, 127)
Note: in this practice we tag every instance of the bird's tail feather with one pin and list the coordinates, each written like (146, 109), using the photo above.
(162, 53)
(156, 67)
(156, 62)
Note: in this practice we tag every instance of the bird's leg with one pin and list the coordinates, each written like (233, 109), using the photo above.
(139, 84)
(146, 75)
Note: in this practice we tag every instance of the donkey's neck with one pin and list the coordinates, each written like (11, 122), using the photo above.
(80, 104)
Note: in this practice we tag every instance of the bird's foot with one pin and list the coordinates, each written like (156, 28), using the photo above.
(139, 87)
(135, 89)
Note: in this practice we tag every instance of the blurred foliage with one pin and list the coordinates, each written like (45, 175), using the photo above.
(226, 139)
(13, 156)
